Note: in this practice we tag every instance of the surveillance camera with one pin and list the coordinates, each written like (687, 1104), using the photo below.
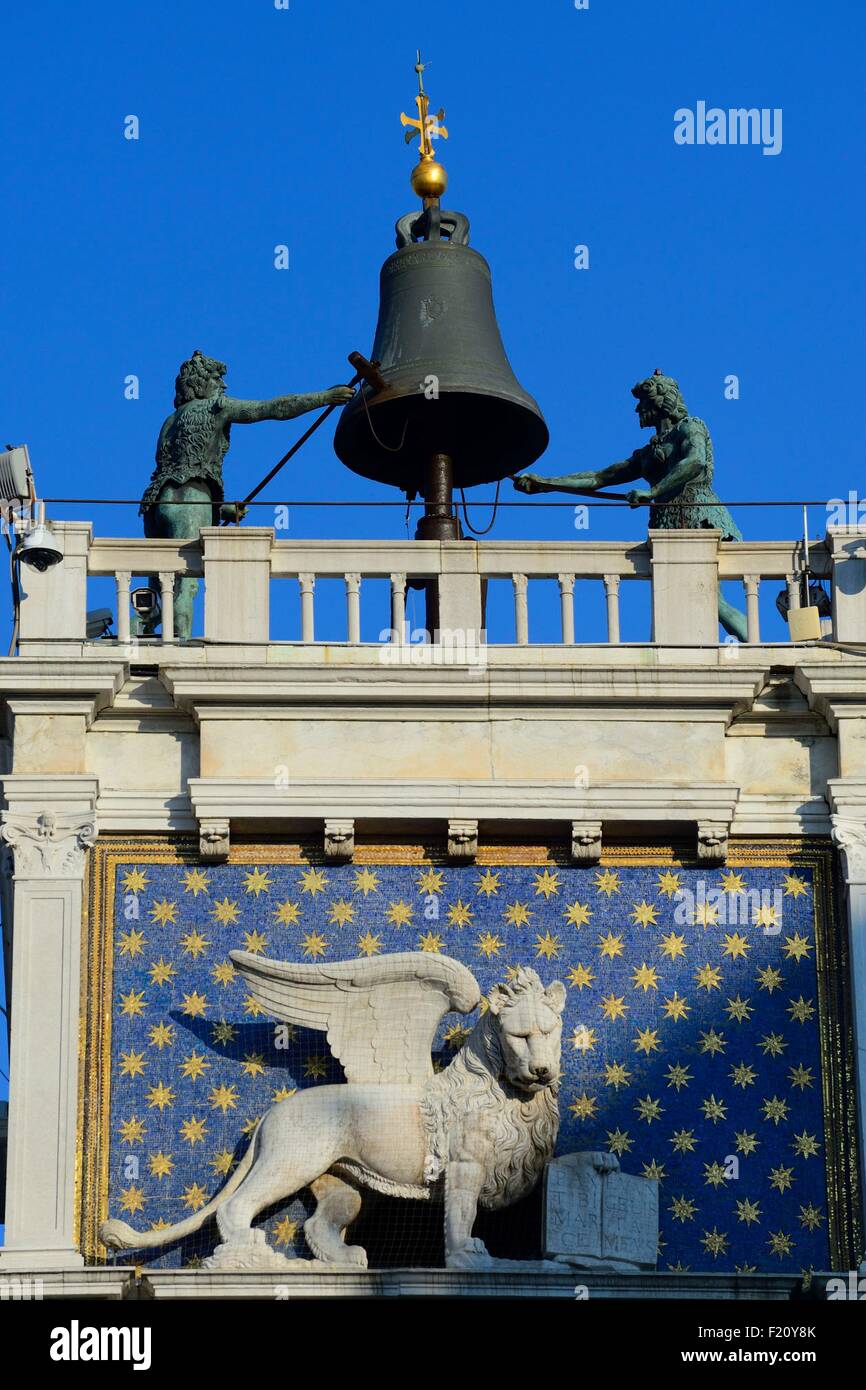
(39, 550)
(144, 601)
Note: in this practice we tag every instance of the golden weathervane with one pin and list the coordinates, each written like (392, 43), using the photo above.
(429, 179)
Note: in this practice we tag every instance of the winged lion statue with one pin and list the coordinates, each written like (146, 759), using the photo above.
(478, 1133)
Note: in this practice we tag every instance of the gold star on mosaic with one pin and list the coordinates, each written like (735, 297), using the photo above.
(669, 883)
(256, 943)
(193, 1131)
(253, 1064)
(647, 1041)
(315, 1068)
(584, 1107)
(584, 1039)
(618, 1141)
(714, 1110)
(796, 947)
(765, 916)
(678, 1075)
(577, 914)
(314, 944)
(194, 1066)
(160, 1165)
(775, 1109)
(745, 1269)
(800, 1077)
(709, 977)
(607, 881)
(733, 883)
(714, 1175)
(431, 881)
(781, 1177)
(223, 1033)
(132, 943)
(715, 1242)
(430, 942)
(547, 883)
(676, 1007)
(222, 1163)
(746, 1143)
(341, 913)
(548, 947)
(654, 1171)
(369, 944)
(194, 1196)
(456, 1035)
(194, 1004)
(488, 883)
(284, 1093)
(684, 1141)
(794, 887)
(743, 1075)
(257, 881)
(195, 881)
(250, 1125)
(313, 881)
(132, 1064)
(489, 945)
(225, 912)
(712, 1043)
(772, 1045)
(223, 1097)
(161, 972)
(223, 973)
(285, 1231)
(644, 915)
(649, 1109)
(161, 1035)
(683, 1209)
(613, 1006)
(706, 914)
(616, 1074)
(194, 944)
(366, 881)
(252, 1007)
(673, 945)
(132, 1199)
(400, 914)
(135, 880)
(132, 1131)
(748, 1212)
(811, 1217)
(780, 1244)
(805, 1145)
(739, 1010)
(580, 976)
(769, 978)
(801, 1010)
(517, 914)
(164, 912)
(645, 977)
(678, 1268)
(610, 946)
(160, 1097)
(288, 914)
(132, 1005)
(736, 946)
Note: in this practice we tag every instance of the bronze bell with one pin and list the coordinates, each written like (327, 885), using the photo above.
(452, 411)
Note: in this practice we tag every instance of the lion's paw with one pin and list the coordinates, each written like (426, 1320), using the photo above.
(472, 1254)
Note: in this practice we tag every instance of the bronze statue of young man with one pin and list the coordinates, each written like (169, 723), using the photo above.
(190, 450)
(678, 465)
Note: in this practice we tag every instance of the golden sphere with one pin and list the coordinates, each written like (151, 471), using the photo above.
(429, 179)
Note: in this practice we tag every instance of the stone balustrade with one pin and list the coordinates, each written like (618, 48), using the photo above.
(237, 564)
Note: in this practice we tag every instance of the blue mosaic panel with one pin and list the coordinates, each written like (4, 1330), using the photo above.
(690, 1032)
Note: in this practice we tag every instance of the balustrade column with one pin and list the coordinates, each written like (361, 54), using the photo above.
(398, 607)
(751, 583)
(166, 603)
(353, 607)
(566, 599)
(521, 612)
(611, 595)
(122, 582)
(308, 621)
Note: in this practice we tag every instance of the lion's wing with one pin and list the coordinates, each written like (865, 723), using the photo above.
(380, 1014)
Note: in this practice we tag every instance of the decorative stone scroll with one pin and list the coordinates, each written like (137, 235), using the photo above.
(50, 844)
(586, 841)
(849, 837)
(463, 839)
(340, 841)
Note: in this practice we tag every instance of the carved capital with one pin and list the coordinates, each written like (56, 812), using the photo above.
(214, 840)
(463, 839)
(51, 844)
(712, 842)
(340, 841)
(849, 837)
(586, 841)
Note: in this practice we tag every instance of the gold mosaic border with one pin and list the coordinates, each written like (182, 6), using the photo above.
(834, 1014)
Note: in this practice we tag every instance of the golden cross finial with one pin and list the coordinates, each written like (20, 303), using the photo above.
(426, 126)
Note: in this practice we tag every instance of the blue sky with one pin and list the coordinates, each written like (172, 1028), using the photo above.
(261, 126)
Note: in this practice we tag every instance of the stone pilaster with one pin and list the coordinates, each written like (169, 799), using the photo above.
(849, 835)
